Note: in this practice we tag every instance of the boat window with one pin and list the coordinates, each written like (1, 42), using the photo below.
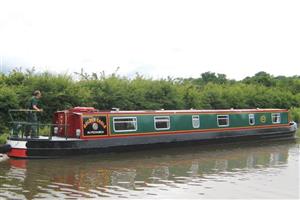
(124, 124)
(275, 118)
(162, 123)
(223, 120)
(196, 121)
(251, 119)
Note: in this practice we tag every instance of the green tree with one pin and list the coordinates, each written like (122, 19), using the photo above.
(261, 78)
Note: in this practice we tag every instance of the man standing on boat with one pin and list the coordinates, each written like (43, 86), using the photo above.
(32, 115)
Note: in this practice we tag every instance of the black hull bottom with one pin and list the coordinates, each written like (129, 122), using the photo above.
(53, 149)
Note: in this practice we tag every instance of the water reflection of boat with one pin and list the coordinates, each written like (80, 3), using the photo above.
(130, 171)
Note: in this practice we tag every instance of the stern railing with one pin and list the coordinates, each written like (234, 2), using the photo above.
(24, 128)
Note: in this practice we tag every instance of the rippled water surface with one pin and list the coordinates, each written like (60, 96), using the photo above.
(244, 170)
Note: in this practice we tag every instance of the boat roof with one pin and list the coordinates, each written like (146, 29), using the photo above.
(200, 111)
(176, 111)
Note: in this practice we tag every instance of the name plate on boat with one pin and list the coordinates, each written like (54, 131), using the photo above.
(94, 125)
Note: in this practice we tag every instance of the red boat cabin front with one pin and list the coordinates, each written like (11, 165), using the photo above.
(78, 123)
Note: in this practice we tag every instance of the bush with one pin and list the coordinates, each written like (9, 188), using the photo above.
(3, 138)
(295, 114)
(8, 100)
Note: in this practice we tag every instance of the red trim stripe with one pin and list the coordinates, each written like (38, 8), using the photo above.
(18, 153)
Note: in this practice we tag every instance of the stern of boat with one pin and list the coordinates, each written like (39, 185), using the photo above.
(18, 148)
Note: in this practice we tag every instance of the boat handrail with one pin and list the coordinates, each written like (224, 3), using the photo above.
(22, 110)
(20, 128)
(19, 125)
(10, 111)
(32, 123)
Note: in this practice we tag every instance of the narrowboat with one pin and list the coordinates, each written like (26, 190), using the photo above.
(86, 130)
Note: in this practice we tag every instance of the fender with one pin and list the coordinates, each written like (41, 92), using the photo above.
(5, 148)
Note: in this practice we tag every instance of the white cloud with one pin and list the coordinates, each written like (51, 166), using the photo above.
(156, 38)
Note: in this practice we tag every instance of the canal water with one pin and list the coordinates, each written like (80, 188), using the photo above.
(241, 170)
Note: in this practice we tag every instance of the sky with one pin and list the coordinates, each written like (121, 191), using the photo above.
(155, 38)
